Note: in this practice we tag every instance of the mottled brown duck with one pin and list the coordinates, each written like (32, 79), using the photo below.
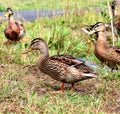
(14, 31)
(63, 68)
(109, 55)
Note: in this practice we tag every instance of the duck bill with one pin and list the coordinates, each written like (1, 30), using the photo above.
(27, 51)
(88, 32)
(107, 25)
(6, 14)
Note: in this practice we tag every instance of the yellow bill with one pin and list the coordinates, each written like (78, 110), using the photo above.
(27, 51)
(6, 14)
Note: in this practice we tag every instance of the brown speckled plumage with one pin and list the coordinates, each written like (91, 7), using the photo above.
(107, 54)
(14, 31)
(64, 68)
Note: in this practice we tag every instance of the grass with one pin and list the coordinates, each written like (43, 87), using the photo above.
(51, 4)
(24, 89)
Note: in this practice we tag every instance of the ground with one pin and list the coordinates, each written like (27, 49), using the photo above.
(28, 81)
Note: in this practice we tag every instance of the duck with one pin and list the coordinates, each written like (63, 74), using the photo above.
(116, 17)
(109, 55)
(63, 68)
(14, 31)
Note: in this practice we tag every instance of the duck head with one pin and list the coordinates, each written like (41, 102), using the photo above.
(8, 12)
(38, 44)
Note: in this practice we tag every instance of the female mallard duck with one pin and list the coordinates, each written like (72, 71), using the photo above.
(63, 68)
(109, 55)
(14, 31)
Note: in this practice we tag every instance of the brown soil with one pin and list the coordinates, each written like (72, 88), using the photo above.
(42, 84)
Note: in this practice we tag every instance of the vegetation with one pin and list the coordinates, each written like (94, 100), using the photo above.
(49, 4)
(24, 89)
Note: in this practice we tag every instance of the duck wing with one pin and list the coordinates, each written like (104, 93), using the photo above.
(63, 55)
(21, 28)
(116, 48)
(67, 59)
(72, 62)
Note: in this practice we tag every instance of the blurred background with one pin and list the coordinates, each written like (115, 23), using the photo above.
(32, 9)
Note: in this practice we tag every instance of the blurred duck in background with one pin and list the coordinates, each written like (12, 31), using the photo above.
(109, 55)
(14, 31)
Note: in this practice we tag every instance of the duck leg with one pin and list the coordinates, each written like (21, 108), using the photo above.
(60, 91)
(62, 86)
(7, 42)
(72, 87)
(22, 40)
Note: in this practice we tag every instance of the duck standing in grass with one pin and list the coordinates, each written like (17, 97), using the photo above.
(14, 31)
(63, 68)
(109, 55)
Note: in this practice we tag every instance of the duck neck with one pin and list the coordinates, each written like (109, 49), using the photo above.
(11, 18)
(44, 51)
(101, 39)
(43, 56)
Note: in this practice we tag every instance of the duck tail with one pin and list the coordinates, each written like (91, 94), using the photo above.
(91, 75)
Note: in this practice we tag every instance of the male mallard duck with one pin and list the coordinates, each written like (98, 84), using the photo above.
(14, 31)
(109, 55)
(63, 68)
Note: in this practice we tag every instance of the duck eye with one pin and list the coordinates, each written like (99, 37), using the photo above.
(96, 26)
